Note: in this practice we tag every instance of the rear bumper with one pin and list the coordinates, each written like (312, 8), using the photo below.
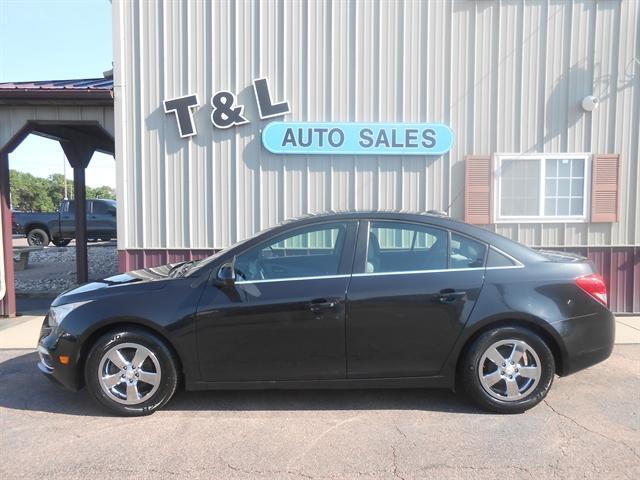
(587, 340)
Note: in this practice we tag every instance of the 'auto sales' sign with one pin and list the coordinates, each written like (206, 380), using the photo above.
(357, 138)
(314, 138)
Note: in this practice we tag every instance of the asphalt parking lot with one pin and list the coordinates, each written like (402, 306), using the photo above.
(587, 428)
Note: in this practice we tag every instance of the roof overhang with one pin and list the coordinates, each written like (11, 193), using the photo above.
(95, 91)
(31, 97)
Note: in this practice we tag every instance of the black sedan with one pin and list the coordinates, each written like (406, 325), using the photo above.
(360, 299)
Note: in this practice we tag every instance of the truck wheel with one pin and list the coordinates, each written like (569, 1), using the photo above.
(37, 238)
(61, 242)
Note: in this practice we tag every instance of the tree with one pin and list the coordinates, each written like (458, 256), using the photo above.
(56, 187)
(35, 194)
(29, 193)
(101, 192)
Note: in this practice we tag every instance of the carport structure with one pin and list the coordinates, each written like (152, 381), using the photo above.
(78, 114)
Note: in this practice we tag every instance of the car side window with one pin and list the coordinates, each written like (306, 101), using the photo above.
(71, 208)
(100, 208)
(309, 252)
(466, 253)
(496, 259)
(405, 247)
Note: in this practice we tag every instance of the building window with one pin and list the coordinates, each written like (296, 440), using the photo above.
(536, 188)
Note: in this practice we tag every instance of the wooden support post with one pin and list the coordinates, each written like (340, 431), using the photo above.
(79, 152)
(80, 197)
(8, 303)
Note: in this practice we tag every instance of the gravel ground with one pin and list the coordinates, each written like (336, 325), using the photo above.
(53, 269)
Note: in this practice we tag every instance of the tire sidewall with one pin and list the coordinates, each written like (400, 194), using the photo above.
(470, 366)
(168, 379)
(43, 234)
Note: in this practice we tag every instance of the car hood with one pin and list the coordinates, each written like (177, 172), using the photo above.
(140, 280)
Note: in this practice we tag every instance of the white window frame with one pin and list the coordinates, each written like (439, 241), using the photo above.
(542, 157)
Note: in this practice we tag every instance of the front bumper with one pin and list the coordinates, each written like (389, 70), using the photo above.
(52, 344)
(587, 340)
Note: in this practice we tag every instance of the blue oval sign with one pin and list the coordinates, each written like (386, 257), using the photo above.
(357, 138)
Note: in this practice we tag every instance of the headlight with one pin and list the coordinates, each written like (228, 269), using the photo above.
(57, 314)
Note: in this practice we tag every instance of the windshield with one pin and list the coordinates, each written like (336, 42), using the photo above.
(206, 261)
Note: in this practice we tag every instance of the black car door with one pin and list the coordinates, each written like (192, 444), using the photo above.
(411, 293)
(284, 318)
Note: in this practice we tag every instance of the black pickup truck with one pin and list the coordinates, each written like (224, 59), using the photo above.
(60, 227)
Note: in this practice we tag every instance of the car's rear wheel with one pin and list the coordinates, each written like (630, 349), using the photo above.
(507, 370)
(37, 237)
(131, 372)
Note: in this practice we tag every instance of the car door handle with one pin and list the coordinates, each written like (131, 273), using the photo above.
(449, 295)
(320, 304)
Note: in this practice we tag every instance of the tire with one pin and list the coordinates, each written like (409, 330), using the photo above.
(61, 242)
(37, 237)
(119, 389)
(504, 387)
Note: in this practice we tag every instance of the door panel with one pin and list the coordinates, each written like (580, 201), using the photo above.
(404, 325)
(273, 330)
(406, 307)
(68, 220)
(101, 221)
(272, 324)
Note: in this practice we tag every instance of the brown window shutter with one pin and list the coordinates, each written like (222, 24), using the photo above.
(605, 181)
(477, 189)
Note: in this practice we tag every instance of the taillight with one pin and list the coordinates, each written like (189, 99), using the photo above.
(594, 285)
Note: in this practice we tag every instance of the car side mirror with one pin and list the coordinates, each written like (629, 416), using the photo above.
(226, 275)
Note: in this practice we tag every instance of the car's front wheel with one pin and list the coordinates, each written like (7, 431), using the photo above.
(507, 370)
(131, 372)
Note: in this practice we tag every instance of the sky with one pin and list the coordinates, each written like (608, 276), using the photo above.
(55, 40)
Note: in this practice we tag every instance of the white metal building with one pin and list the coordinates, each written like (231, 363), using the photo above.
(508, 78)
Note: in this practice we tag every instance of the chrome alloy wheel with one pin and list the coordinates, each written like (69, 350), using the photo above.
(509, 370)
(129, 373)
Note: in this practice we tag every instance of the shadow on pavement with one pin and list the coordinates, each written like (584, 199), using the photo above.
(31, 391)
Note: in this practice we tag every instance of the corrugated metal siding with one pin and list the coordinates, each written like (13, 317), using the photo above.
(135, 259)
(620, 269)
(506, 76)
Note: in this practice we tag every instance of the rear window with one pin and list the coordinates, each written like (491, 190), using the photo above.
(497, 259)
